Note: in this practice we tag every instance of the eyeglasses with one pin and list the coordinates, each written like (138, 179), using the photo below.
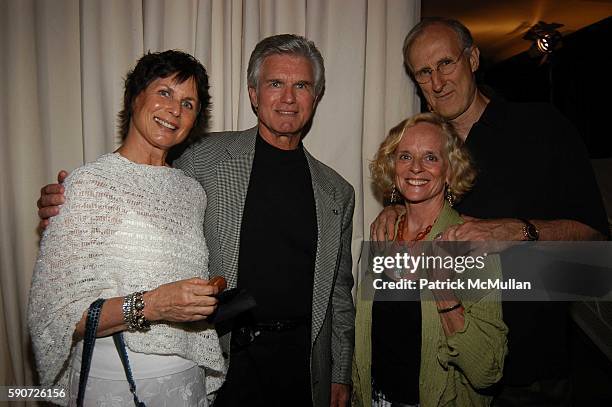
(445, 66)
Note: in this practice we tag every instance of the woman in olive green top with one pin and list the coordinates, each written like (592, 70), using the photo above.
(449, 348)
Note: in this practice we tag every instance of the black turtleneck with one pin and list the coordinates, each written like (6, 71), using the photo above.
(278, 237)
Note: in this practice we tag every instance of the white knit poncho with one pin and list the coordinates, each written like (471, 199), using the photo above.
(124, 227)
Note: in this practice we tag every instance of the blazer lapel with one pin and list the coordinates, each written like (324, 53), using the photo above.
(329, 223)
(232, 176)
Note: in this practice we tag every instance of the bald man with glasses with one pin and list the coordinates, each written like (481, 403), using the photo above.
(535, 182)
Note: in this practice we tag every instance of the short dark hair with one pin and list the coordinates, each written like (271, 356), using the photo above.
(463, 33)
(155, 65)
(287, 44)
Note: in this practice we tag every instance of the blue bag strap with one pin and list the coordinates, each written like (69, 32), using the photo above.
(120, 345)
(91, 328)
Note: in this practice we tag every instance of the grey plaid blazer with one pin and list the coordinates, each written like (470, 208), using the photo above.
(222, 163)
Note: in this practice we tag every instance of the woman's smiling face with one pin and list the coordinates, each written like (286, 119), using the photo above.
(421, 163)
(164, 113)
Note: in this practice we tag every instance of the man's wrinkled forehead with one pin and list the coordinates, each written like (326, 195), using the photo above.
(290, 62)
(435, 34)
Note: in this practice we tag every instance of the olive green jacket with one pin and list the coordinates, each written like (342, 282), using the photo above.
(453, 369)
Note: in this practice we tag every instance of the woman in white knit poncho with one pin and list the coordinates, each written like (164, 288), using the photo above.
(130, 223)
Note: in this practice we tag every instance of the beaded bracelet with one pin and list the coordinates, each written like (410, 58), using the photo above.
(133, 312)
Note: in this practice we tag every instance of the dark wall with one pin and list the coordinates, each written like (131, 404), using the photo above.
(577, 79)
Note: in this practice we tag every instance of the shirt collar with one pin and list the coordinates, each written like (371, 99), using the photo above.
(494, 114)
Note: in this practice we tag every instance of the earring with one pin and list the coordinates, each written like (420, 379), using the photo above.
(394, 198)
(449, 196)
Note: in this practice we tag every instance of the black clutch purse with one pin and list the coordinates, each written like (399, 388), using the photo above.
(231, 303)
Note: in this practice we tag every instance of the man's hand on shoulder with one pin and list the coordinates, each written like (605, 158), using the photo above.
(478, 230)
(51, 196)
(383, 227)
(339, 395)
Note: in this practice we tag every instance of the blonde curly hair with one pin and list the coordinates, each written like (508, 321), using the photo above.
(462, 171)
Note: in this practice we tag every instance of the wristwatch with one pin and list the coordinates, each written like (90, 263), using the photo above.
(530, 232)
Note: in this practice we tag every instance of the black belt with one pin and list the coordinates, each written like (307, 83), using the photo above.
(246, 334)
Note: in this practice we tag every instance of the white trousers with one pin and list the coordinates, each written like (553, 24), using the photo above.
(184, 389)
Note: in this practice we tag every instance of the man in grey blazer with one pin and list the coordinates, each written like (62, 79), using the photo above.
(285, 78)
(279, 223)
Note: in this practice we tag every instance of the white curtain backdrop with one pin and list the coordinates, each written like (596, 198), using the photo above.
(62, 66)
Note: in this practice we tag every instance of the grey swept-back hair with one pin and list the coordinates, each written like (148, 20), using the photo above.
(287, 44)
(464, 35)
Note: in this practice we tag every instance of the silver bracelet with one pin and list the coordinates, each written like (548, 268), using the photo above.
(133, 312)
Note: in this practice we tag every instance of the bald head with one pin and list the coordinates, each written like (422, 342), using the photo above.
(464, 36)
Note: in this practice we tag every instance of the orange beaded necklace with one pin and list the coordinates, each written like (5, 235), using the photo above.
(420, 236)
